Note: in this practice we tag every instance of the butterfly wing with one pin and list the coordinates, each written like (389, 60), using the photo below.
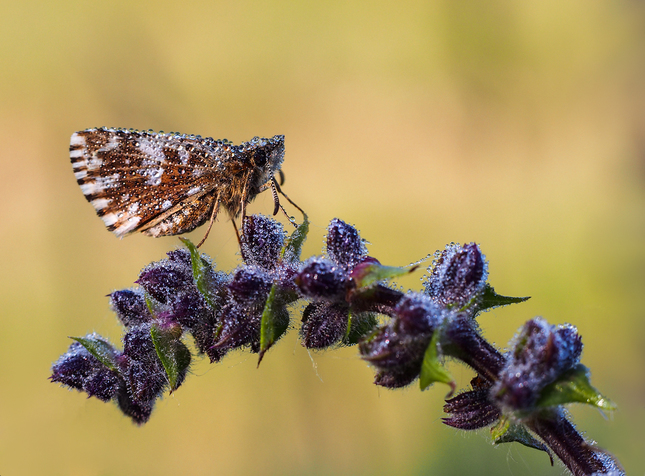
(162, 184)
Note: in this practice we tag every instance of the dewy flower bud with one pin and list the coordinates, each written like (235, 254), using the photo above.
(81, 370)
(239, 327)
(262, 241)
(344, 244)
(144, 373)
(138, 410)
(164, 279)
(417, 314)
(321, 278)
(324, 324)
(397, 349)
(540, 354)
(250, 285)
(471, 410)
(397, 357)
(180, 256)
(189, 309)
(458, 275)
(396, 378)
(130, 307)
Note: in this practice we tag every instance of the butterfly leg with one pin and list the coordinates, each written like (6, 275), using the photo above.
(210, 223)
(239, 238)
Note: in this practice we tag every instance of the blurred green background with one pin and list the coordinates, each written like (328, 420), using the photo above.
(518, 125)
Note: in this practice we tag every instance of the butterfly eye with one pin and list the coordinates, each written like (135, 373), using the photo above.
(260, 158)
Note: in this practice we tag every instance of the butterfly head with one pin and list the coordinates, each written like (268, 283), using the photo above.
(265, 156)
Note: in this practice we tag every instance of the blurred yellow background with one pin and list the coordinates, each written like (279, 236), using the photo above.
(517, 125)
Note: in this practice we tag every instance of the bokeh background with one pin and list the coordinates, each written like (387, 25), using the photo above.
(517, 125)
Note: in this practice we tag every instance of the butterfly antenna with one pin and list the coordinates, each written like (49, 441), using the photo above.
(274, 183)
(276, 199)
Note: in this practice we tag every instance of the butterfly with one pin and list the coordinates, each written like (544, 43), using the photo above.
(169, 183)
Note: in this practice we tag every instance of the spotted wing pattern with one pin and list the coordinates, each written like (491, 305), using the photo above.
(160, 184)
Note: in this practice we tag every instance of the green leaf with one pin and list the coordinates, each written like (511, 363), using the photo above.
(369, 272)
(491, 299)
(173, 354)
(272, 326)
(498, 431)
(293, 246)
(432, 370)
(200, 271)
(358, 326)
(507, 432)
(101, 349)
(574, 386)
(151, 304)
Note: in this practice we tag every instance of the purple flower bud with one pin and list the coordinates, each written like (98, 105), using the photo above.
(239, 327)
(103, 385)
(458, 275)
(203, 332)
(145, 381)
(322, 279)
(142, 370)
(74, 367)
(344, 244)
(540, 354)
(164, 279)
(471, 410)
(324, 324)
(80, 370)
(180, 256)
(138, 410)
(396, 378)
(396, 355)
(188, 309)
(285, 278)
(214, 281)
(262, 241)
(397, 349)
(417, 314)
(137, 343)
(130, 307)
(250, 285)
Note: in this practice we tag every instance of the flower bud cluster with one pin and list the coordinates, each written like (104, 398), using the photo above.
(168, 300)
(81, 370)
(223, 312)
(458, 276)
(134, 377)
(540, 353)
(169, 289)
(340, 312)
(397, 348)
(457, 279)
(345, 292)
(240, 316)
